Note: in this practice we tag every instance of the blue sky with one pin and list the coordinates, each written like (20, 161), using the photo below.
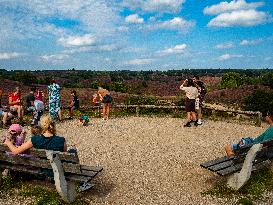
(135, 34)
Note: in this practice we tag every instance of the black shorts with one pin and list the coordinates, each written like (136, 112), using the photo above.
(190, 105)
(107, 99)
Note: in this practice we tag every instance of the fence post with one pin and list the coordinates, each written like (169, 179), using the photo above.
(259, 119)
(137, 111)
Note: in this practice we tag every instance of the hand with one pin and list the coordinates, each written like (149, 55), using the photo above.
(7, 141)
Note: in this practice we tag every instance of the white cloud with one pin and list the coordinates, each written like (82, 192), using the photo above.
(108, 47)
(95, 48)
(268, 58)
(161, 6)
(234, 5)
(71, 41)
(7, 56)
(142, 61)
(250, 42)
(134, 18)
(122, 29)
(178, 49)
(54, 57)
(177, 23)
(31, 19)
(224, 45)
(228, 56)
(240, 18)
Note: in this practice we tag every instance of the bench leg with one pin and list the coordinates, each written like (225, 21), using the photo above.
(67, 190)
(237, 180)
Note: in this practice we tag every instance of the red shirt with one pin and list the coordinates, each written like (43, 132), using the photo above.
(14, 97)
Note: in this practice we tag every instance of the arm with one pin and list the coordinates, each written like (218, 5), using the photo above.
(17, 150)
(65, 147)
(267, 135)
(72, 103)
(182, 86)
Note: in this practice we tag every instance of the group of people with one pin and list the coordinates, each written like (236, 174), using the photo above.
(34, 104)
(195, 93)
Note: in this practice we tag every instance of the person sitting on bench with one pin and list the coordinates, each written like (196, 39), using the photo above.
(48, 140)
(267, 135)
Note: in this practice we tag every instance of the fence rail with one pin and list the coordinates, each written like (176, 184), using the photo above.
(257, 115)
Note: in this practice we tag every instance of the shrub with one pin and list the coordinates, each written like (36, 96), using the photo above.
(259, 100)
(141, 100)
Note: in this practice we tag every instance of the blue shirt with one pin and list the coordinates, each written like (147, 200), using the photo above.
(54, 143)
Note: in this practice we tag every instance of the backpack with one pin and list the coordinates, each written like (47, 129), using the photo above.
(203, 89)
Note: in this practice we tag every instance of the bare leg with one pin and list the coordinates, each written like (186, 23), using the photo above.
(104, 110)
(107, 110)
(71, 114)
(5, 118)
(193, 116)
(60, 114)
(20, 112)
(189, 116)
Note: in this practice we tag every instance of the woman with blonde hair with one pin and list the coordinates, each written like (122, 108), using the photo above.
(47, 140)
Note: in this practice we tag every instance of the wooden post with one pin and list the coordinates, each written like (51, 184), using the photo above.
(67, 190)
(137, 111)
(259, 119)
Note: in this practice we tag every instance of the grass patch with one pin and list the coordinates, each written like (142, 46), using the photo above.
(12, 186)
(259, 182)
(7, 184)
(45, 196)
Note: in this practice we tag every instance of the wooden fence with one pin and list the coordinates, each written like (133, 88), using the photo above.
(257, 115)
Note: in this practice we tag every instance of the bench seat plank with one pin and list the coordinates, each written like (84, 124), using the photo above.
(92, 168)
(38, 162)
(40, 153)
(221, 166)
(216, 161)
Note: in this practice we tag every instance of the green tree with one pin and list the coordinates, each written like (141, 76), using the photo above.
(26, 77)
(119, 87)
(259, 100)
(231, 80)
(267, 79)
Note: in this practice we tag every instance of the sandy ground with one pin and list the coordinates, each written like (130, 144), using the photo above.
(152, 160)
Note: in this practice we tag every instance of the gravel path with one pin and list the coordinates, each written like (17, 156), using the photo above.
(152, 160)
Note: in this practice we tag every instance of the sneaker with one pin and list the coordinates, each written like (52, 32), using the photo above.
(85, 186)
(188, 124)
(196, 123)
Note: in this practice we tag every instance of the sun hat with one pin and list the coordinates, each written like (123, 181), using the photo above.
(16, 127)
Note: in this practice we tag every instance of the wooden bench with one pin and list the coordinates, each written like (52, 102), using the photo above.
(64, 168)
(244, 161)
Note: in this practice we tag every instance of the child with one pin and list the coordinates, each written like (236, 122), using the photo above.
(267, 135)
(74, 105)
(38, 112)
(16, 134)
(84, 120)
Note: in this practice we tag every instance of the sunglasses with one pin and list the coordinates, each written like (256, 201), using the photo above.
(12, 131)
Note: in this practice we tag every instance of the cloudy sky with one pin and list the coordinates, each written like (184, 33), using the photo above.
(135, 34)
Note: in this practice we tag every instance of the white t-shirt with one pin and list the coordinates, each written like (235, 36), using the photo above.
(191, 92)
